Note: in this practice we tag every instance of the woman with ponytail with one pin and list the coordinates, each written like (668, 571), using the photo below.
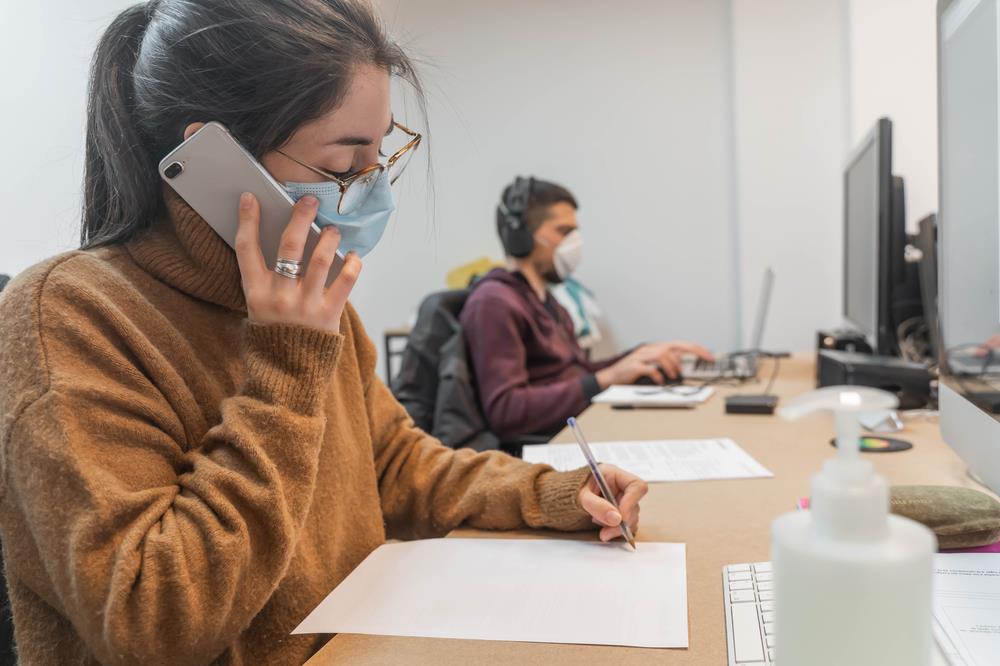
(196, 449)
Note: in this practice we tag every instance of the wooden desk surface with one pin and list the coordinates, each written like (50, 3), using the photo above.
(722, 522)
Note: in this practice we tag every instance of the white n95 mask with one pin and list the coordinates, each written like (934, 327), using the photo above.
(568, 254)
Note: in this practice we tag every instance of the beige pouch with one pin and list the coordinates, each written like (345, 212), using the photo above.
(960, 517)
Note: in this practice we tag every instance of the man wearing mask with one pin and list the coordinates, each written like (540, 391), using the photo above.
(530, 372)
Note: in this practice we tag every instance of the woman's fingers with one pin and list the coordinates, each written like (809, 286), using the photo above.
(628, 489)
(611, 533)
(303, 299)
(599, 508)
(248, 254)
(293, 238)
(636, 489)
(322, 258)
(338, 292)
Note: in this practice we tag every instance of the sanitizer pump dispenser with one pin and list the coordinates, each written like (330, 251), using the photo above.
(852, 583)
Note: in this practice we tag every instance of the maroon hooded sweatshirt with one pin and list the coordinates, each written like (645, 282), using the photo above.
(531, 373)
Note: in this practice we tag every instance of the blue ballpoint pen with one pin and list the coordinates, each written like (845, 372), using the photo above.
(602, 484)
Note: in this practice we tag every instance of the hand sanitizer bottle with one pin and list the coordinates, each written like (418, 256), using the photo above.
(852, 583)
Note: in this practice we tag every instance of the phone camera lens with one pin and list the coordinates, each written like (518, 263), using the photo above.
(173, 170)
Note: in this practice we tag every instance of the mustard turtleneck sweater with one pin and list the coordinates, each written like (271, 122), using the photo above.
(180, 486)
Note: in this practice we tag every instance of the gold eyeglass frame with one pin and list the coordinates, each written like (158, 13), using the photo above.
(345, 183)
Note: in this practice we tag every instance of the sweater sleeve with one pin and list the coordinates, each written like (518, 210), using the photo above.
(597, 366)
(155, 546)
(512, 405)
(428, 489)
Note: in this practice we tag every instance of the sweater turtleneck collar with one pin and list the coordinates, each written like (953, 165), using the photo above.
(186, 253)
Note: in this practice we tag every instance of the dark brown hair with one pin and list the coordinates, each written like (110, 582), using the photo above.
(262, 68)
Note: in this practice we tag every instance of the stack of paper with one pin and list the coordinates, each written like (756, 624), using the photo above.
(652, 461)
(543, 591)
(654, 396)
(967, 607)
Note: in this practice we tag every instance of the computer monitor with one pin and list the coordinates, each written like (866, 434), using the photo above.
(926, 242)
(880, 290)
(969, 231)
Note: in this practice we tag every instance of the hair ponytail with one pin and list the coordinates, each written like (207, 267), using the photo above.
(120, 187)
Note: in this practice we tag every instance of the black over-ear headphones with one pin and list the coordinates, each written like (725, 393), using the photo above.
(515, 236)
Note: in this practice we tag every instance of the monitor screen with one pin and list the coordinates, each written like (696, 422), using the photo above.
(969, 224)
(861, 232)
(969, 233)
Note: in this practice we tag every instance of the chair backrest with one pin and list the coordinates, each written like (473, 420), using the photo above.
(435, 383)
(415, 385)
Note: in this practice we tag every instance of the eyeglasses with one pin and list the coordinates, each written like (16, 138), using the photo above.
(354, 189)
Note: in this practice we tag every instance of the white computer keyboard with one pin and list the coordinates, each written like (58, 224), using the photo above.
(726, 367)
(748, 591)
(749, 600)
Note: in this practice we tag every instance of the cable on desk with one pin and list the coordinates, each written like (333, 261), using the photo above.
(774, 375)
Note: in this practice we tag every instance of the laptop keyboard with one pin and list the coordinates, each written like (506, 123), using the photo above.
(749, 601)
(741, 366)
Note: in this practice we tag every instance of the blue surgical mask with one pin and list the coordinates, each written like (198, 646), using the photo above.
(360, 230)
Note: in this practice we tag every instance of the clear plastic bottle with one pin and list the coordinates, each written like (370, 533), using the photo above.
(852, 582)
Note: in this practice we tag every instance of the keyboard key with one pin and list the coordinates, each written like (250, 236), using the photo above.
(770, 654)
(770, 641)
(746, 633)
(767, 616)
(769, 628)
(762, 567)
(765, 576)
(741, 585)
(739, 596)
(765, 586)
(767, 596)
(738, 567)
(739, 575)
(767, 606)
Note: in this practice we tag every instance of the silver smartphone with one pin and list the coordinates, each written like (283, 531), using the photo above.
(210, 171)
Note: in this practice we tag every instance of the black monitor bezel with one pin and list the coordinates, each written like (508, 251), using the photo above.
(883, 337)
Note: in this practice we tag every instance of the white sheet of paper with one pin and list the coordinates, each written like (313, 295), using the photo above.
(534, 590)
(967, 605)
(945, 653)
(658, 460)
(654, 396)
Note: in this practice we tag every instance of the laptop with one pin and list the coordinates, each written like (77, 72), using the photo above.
(734, 365)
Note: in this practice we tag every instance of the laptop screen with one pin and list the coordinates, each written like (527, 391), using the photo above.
(762, 305)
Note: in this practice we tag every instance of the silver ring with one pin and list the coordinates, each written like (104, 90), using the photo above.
(289, 268)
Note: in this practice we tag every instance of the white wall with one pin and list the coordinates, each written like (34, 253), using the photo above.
(45, 50)
(624, 103)
(790, 103)
(810, 78)
(893, 72)
(704, 140)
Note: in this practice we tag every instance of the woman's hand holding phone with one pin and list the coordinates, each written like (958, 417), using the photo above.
(273, 298)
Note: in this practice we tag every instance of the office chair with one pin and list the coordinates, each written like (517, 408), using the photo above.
(435, 382)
